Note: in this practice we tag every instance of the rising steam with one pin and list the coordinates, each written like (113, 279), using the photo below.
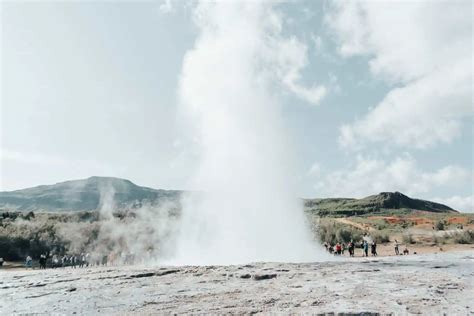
(248, 210)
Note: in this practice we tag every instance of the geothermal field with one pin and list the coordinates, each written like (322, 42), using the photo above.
(404, 285)
(271, 139)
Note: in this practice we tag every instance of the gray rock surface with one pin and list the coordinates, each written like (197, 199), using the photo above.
(430, 285)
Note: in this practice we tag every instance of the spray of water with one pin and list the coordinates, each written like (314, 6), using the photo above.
(247, 211)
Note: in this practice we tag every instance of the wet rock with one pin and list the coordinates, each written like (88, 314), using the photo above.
(142, 275)
(259, 277)
(167, 272)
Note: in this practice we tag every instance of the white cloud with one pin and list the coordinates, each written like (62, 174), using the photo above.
(370, 176)
(31, 157)
(424, 50)
(315, 170)
(318, 42)
(277, 56)
(460, 203)
(166, 6)
(288, 57)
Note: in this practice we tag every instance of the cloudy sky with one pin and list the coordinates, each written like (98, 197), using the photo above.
(375, 96)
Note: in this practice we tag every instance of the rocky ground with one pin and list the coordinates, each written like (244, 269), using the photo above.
(417, 284)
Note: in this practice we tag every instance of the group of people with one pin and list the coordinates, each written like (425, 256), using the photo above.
(340, 247)
(57, 261)
(397, 250)
(79, 261)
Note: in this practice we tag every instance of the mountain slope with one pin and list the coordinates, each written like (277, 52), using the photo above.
(97, 192)
(87, 194)
(383, 202)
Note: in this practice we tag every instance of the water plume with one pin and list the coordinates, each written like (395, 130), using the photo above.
(247, 210)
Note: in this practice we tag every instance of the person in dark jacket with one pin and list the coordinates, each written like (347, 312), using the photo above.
(373, 249)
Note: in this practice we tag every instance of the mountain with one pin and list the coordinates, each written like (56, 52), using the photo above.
(99, 192)
(383, 202)
(88, 194)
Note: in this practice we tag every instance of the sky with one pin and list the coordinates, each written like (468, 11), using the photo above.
(375, 96)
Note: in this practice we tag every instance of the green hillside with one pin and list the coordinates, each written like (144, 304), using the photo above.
(385, 202)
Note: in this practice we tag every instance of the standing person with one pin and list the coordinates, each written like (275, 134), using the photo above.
(397, 252)
(73, 261)
(42, 261)
(55, 261)
(373, 249)
(64, 261)
(29, 261)
(331, 249)
(104, 260)
(366, 248)
(351, 248)
(338, 249)
(82, 260)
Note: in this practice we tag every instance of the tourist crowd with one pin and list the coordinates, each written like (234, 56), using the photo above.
(339, 248)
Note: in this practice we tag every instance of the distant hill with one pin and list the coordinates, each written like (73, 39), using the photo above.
(97, 192)
(385, 202)
(83, 195)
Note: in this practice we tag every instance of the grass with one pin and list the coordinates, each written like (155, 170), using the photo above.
(332, 232)
(408, 239)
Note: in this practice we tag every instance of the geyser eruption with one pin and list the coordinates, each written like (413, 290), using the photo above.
(246, 210)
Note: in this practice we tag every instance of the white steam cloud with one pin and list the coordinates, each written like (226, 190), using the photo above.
(248, 211)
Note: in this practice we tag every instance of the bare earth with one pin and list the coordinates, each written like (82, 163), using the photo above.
(430, 284)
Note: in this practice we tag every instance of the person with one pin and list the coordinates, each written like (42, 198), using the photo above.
(42, 261)
(29, 261)
(397, 252)
(405, 251)
(373, 249)
(338, 249)
(55, 261)
(64, 260)
(351, 248)
(366, 248)
(1, 262)
(343, 247)
(73, 260)
(82, 260)
(104, 260)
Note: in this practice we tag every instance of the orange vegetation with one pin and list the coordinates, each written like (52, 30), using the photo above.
(458, 220)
